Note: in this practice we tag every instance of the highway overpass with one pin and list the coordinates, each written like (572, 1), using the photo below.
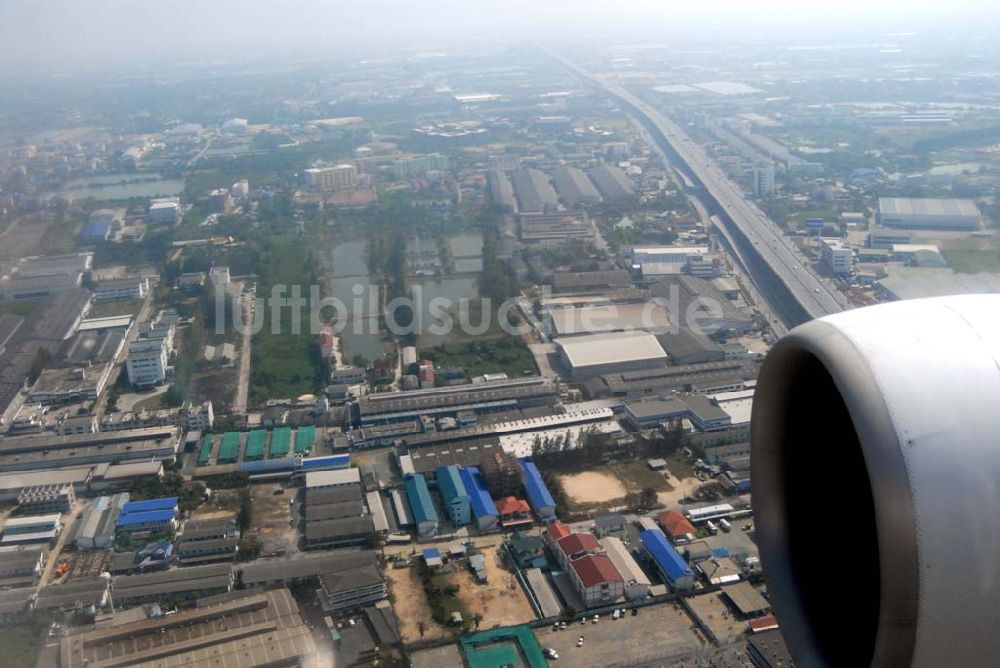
(776, 266)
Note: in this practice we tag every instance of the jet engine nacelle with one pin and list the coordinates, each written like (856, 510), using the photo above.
(875, 463)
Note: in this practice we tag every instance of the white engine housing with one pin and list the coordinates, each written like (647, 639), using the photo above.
(876, 484)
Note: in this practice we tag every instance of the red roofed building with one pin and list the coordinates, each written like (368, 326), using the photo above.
(574, 546)
(763, 624)
(513, 511)
(554, 532)
(597, 580)
(675, 525)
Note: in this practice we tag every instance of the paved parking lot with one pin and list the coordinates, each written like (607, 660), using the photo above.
(658, 632)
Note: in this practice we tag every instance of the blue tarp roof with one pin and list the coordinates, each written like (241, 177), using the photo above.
(166, 503)
(482, 502)
(432, 553)
(720, 552)
(538, 494)
(149, 517)
(666, 557)
(420, 499)
(450, 483)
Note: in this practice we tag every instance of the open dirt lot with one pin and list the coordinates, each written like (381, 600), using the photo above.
(592, 487)
(272, 520)
(714, 613)
(500, 601)
(410, 605)
(437, 657)
(24, 235)
(658, 632)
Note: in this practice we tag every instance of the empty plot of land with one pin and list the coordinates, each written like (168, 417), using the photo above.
(500, 601)
(436, 657)
(272, 521)
(658, 632)
(592, 487)
(409, 601)
(713, 612)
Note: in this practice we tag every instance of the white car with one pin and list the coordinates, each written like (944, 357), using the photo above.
(551, 653)
(579, 641)
(597, 618)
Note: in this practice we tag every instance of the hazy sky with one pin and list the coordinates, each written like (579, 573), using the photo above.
(69, 34)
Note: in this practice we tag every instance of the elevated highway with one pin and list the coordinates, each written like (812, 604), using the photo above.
(775, 265)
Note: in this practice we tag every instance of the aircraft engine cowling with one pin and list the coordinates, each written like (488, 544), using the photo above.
(875, 462)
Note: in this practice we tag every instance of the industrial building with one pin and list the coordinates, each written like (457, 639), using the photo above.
(246, 629)
(671, 565)
(332, 479)
(341, 532)
(96, 530)
(574, 187)
(556, 229)
(537, 492)
(590, 281)
(721, 376)
(352, 587)
(45, 499)
(456, 500)
(390, 407)
(171, 587)
(482, 505)
(928, 213)
(534, 192)
(837, 255)
(637, 585)
(596, 354)
(152, 516)
(611, 182)
(695, 295)
(34, 529)
(421, 505)
(121, 289)
(21, 568)
(146, 362)
(571, 320)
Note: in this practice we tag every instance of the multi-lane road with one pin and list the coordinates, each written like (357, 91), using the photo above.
(787, 270)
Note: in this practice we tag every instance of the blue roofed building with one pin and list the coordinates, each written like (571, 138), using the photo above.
(422, 506)
(670, 564)
(483, 508)
(538, 493)
(165, 503)
(150, 521)
(456, 498)
(95, 231)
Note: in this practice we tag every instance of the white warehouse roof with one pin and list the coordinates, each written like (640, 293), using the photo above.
(330, 478)
(927, 206)
(611, 348)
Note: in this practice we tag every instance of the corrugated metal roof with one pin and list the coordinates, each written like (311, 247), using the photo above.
(166, 503)
(450, 483)
(420, 499)
(669, 561)
(482, 502)
(538, 493)
(150, 517)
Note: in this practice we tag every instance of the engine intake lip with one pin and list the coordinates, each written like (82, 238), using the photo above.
(834, 366)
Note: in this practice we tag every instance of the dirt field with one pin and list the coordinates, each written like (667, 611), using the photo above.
(272, 520)
(501, 601)
(410, 605)
(592, 487)
(714, 613)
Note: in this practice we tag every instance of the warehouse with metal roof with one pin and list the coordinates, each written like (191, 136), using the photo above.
(612, 352)
(537, 491)
(422, 506)
(928, 213)
(671, 565)
(453, 493)
(483, 507)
